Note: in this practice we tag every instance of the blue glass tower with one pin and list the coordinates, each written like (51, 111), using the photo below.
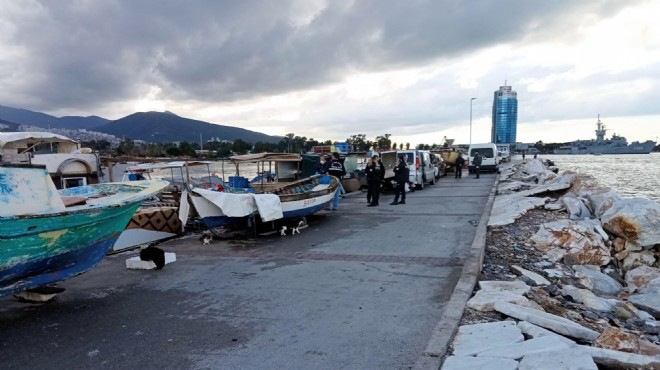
(505, 116)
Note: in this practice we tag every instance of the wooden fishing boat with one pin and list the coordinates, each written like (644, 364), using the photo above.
(166, 215)
(221, 210)
(48, 236)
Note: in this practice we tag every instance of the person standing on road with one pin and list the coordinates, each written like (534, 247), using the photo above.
(476, 162)
(458, 164)
(336, 168)
(375, 172)
(401, 174)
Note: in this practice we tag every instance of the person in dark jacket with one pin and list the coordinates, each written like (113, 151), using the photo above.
(336, 168)
(458, 165)
(401, 174)
(476, 162)
(375, 172)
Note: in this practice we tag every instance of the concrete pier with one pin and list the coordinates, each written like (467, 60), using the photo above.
(360, 288)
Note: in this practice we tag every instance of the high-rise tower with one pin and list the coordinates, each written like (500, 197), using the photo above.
(505, 116)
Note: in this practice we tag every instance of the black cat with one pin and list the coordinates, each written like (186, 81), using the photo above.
(156, 255)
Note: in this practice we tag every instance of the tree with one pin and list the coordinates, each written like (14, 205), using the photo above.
(241, 147)
(358, 143)
(394, 145)
(384, 142)
(187, 148)
(126, 147)
(407, 146)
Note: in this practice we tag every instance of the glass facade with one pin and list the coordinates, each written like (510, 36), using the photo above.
(505, 116)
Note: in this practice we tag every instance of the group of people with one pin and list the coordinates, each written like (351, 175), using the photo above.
(460, 162)
(375, 171)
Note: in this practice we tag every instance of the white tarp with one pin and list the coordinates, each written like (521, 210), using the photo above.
(241, 205)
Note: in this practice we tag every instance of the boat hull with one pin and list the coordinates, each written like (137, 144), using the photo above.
(213, 218)
(36, 251)
(294, 202)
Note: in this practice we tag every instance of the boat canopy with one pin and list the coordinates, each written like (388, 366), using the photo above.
(166, 165)
(266, 157)
(43, 137)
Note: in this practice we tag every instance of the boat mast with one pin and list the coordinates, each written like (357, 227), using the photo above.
(600, 133)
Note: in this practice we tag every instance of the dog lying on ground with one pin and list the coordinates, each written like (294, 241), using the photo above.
(294, 226)
(156, 255)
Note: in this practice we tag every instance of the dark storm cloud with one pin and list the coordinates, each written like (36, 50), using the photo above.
(86, 54)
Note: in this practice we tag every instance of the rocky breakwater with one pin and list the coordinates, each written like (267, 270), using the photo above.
(570, 278)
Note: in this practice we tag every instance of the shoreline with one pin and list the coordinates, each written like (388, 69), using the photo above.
(547, 283)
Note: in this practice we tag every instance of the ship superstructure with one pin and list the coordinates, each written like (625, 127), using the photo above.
(616, 145)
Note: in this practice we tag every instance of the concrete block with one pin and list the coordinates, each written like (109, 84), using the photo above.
(528, 347)
(478, 363)
(516, 286)
(572, 359)
(538, 332)
(472, 339)
(135, 263)
(549, 321)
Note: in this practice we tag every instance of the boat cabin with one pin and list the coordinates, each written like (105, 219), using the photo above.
(68, 164)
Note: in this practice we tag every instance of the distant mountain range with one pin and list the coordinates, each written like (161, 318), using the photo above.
(156, 127)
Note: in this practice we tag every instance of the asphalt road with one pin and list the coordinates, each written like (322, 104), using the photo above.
(361, 288)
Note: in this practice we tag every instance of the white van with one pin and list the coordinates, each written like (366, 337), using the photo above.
(490, 161)
(504, 152)
(422, 169)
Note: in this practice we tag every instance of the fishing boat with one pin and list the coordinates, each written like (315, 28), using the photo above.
(165, 215)
(221, 211)
(48, 236)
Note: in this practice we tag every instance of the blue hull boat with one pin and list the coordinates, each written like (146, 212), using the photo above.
(48, 236)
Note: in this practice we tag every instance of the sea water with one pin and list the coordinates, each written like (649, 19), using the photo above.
(631, 175)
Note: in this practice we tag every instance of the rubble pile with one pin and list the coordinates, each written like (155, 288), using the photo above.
(570, 280)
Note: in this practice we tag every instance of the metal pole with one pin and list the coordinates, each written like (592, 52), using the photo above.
(471, 119)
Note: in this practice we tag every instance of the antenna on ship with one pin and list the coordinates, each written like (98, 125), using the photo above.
(600, 133)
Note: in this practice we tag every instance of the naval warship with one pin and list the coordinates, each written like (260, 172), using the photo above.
(616, 145)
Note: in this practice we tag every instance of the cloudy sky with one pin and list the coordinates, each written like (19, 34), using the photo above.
(327, 69)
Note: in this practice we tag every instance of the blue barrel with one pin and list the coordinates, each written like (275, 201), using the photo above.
(238, 182)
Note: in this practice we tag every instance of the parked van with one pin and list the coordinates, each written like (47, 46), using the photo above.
(422, 170)
(490, 160)
(504, 152)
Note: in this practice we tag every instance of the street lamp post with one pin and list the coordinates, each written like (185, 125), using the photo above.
(471, 119)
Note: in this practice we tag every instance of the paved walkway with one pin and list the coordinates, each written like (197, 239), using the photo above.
(362, 288)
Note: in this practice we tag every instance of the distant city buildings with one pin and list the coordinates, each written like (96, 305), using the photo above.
(505, 116)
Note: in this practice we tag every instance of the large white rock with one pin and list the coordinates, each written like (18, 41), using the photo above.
(619, 360)
(571, 359)
(649, 302)
(636, 259)
(538, 279)
(515, 286)
(575, 208)
(635, 219)
(546, 320)
(508, 208)
(528, 347)
(472, 339)
(588, 299)
(640, 278)
(536, 331)
(484, 300)
(592, 278)
(602, 201)
(478, 363)
(583, 244)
